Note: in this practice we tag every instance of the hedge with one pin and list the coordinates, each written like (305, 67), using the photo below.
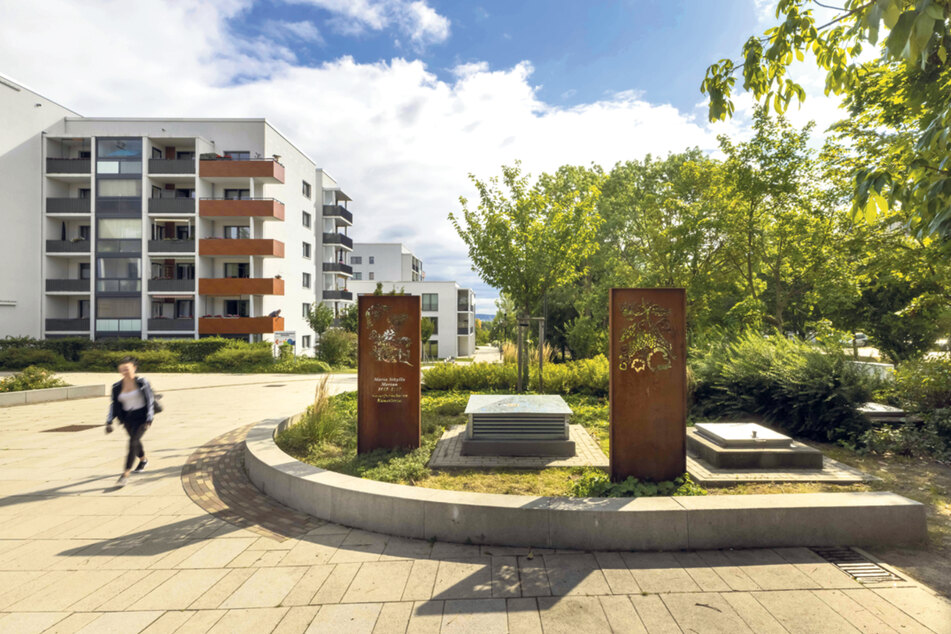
(586, 376)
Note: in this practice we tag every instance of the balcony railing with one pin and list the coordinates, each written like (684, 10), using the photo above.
(171, 166)
(338, 238)
(239, 325)
(241, 246)
(68, 325)
(68, 166)
(338, 295)
(68, 205)
(241, 286)
(168, 324)
(267, 170)
(67, 246)
(124, 206)
(172, 286)
(463, 307)
(465, 331)
(171, 246)
(337, 267)
(264, 208)
(171, 205)
(338, 211)
(67, 286)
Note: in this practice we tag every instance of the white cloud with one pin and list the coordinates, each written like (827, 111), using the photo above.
(414, 19)
(398, 139)
(288, 31)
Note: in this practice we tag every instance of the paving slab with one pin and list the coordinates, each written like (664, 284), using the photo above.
(572, 615)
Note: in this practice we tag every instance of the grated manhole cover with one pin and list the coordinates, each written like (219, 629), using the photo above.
(72, 428)
(856, 565)
(276, 385)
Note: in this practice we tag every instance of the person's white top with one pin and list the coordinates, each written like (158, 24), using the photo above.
(132, 400)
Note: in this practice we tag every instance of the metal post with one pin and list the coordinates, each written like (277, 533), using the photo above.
(518, 359)
(541, 349)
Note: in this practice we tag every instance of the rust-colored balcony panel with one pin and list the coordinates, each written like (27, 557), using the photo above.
(260, 247)
(266, 208)
(240, 286)
(262, 169)
(239, 325)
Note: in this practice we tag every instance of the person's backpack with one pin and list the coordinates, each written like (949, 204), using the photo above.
(157, 407)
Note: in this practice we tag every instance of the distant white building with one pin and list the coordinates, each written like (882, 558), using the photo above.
(451, 308)
(385, 261)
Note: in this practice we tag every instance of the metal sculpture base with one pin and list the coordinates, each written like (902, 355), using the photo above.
(735, 446)
(517, 425)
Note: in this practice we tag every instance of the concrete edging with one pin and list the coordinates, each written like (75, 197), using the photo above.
(28, 397)
(662, 523)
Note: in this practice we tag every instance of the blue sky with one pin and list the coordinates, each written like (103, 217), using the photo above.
(401, 99)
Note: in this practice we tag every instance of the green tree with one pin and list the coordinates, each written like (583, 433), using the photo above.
(915, 54)
(348, 318)
(320, 317)
(426, 329)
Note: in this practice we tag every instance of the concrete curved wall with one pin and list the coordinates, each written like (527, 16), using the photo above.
(661, 523)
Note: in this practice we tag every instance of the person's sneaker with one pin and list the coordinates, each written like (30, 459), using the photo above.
(121, 482)
(142, 465)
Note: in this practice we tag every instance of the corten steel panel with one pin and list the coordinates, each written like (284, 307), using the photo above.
(388, 375)
(240, 286)
(239, 325)
(208, 208)
(242, 169)
(222, 246)
(648, 374)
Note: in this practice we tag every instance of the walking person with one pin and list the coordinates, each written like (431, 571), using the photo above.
(133, 403)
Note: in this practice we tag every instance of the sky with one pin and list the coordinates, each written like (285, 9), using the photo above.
(400, 100)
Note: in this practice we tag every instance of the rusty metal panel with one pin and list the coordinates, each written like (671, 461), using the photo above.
(388, 374)
(648, 378)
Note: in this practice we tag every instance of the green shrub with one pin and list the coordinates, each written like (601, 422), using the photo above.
(19, 358)
(338, 348)
(924, 385)
(70, 348)
(927, 437)
(243, 359)
(107, 360)
(320, 424)
(807, 391)
(126, 344)
(8, 342)
(596, 483)
(197, 350)
(31, 378)
(586, 376)
(301, 365)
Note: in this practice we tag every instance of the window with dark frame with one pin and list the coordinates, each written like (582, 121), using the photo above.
(305, 341)
(306, 219)
(430, 301)
(305, 310)
(306, 280)
(305, 188)
(306, 249)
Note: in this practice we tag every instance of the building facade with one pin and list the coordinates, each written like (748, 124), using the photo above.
(162, 228)
(451, 309)
(385, 261)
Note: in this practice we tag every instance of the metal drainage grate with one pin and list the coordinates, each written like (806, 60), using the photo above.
(72, 428)
(856, 565)
(276, 385)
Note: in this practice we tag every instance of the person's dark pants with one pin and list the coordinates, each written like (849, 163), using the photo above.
(135, 423)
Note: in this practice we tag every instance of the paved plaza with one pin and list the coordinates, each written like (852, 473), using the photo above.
(190, 546)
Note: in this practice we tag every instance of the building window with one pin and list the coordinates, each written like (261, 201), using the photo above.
(430, 301)
(305, 310)
(431, 349)
(238, 155)
(371, 276)
(358, 276)
(356, 259)
(435, 321)
(84, 270)
(370, 260)
(118, 188)
(306, 249)
(236, 308)
(306, 280)
(305, 188)
(306, 219)
(305, 341)
(237, 194)
(237, 269)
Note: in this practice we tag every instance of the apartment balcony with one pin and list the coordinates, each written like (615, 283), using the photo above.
(346, 296)
(239, 325)
(68, 166)
(67, 246)
(67, 325)
(463, 307)
(171, 166)
(241, 286)
(338, 239)
(171, 325)
(465, 331)
(67, 286)
(171, 205)
(247, 247)
(171, 286)
(264, 208)
(68, 205)
(124, 206)
(171, 246)
(337, 267)
(339, 212)
(264, 170)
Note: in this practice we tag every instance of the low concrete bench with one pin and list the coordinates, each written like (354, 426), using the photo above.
(660, 523)
(28, 397)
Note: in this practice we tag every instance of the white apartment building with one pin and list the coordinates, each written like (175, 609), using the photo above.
(385, 261)
(451, 308)
(160, 228)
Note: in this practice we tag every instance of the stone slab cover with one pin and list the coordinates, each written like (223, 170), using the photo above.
(648, 374)
(388, 375)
